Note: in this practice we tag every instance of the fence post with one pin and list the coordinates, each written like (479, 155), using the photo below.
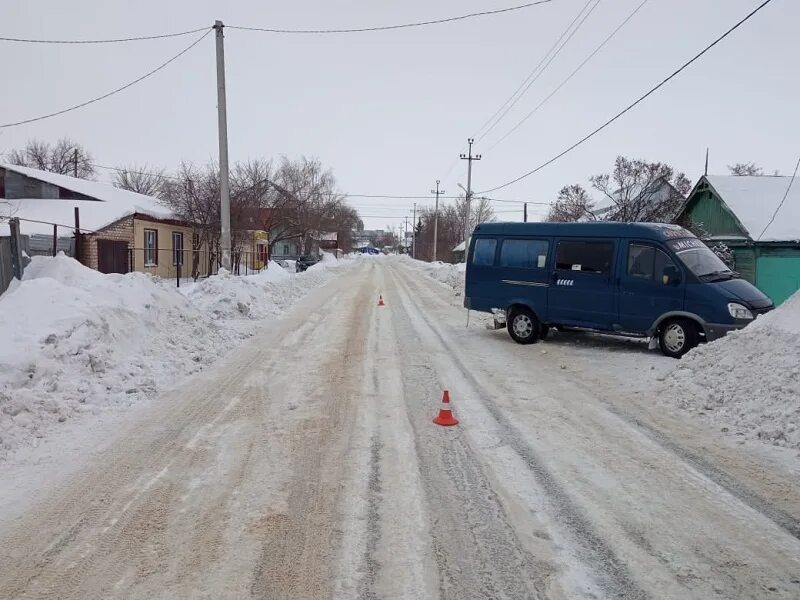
(77, 235)
(16, 248)
(55, 240)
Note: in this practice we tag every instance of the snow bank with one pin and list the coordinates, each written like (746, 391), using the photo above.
(449, 274)
(748, 383)
(76, 341)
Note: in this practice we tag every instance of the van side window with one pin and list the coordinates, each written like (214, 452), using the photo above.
(663, 261)
(641, 261)
(588, 257)
(524, 254)
(483, 253)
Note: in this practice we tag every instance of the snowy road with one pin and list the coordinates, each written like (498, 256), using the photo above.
(306, 466)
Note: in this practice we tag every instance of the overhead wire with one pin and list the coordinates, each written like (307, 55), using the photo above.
(569, 77)
(786, 195)
(113, 92)
(633, 104)
(516, 95)
(104, 41)
(391, 27)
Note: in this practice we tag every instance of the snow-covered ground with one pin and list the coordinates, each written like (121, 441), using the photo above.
(746, 385)
(76, 343)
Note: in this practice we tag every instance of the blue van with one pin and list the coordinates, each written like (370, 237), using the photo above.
(632, 279)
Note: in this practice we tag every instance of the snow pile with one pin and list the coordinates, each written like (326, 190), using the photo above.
(748, 383)
(76, 341)
(449, 274)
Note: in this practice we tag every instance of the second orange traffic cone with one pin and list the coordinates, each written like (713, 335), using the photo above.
(380, 301)
(445, 417)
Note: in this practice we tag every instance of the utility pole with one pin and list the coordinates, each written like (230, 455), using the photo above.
(414, 233)
(405, 235)
(468, 157)
(437, 191)
(75, 163)
(224, 186)
(525, 213)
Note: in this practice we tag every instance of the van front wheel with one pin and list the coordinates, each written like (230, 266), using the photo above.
(677, 336)
(523, 326)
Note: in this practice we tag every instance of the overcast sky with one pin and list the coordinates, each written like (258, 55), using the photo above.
(389, 112)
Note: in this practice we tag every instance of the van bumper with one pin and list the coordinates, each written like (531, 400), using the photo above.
(714, 331)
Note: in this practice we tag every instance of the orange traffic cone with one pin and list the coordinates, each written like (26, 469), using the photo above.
(380, 301)
(445, 417)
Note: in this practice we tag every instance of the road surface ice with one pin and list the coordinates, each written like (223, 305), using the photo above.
(305, 465)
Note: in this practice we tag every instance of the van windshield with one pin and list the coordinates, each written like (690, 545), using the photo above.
(700, 259)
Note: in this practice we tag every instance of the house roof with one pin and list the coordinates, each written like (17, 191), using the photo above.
(754, 200)
(108, 204)
(459, 248)
(661, 193)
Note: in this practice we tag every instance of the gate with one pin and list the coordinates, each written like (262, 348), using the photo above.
(112, 256)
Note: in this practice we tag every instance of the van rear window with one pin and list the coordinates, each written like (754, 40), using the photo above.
(587, 257)
(524, 254)
(483, 253)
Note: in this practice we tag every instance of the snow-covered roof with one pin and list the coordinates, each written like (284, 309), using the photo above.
(110, 204)
(754, 200)
(459, 248)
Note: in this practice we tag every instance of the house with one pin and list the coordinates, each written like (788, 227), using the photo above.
(119, 231)
(756, 219)
(653, 203)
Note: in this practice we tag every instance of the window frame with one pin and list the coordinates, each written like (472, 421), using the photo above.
(475, 254)
(546, 241)
(177, 255)
(153, 250)
(612, 256)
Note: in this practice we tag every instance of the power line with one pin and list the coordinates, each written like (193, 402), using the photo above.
(632, 105)
(570, 76)
(542, 66)
(389, 27)
(111, 93)
(786, 195)
(533, 72)
(106, 41)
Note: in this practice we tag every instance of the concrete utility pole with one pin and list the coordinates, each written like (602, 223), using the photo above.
(414, 233)
(437, 191)
(224, 185)
(468, 157)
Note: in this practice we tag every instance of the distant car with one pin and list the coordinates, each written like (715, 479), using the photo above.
(302, 263)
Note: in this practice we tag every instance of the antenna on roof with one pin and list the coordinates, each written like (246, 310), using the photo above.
(705, 173)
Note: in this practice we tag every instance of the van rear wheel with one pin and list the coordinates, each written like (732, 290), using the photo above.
(677, 336)
(523, 326)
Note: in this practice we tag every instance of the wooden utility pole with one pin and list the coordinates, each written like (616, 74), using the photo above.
(437, 191)
(468, 157)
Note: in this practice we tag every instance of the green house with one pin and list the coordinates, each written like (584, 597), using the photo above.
(758, 221)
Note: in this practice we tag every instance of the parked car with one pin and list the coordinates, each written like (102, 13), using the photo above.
(631, 279)
(302, 263)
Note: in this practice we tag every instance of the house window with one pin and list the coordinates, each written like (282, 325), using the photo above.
(524, 254)
(286, 249)
(177, 248)
(483, 252)
(150, 247)
(587, 257)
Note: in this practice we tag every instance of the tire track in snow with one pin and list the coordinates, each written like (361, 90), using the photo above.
(613, 575)
(370, 565)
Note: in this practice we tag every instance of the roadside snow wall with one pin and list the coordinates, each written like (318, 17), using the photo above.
(75, 341)
(748, 383)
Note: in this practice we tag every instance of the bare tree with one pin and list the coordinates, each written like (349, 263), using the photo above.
(141, 179)
(573, 204)
(745, 169)
(63, 157)
(450, 228)
(638, 191)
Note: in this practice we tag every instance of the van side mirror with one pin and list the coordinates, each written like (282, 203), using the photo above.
(671, 276)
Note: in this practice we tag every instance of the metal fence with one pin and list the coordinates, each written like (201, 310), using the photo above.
(180, 265)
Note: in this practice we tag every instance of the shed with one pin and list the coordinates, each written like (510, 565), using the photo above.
(758, 218)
